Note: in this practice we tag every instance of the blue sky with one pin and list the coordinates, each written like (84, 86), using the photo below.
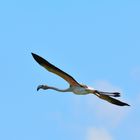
(97, 42)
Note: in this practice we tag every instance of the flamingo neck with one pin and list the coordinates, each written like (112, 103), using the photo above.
(60, 90)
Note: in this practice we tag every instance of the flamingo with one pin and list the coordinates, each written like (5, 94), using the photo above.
(75, 86)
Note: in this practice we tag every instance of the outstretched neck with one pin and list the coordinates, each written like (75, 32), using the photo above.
(60, 90)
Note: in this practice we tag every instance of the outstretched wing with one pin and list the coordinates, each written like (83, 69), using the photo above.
(112, 100)
(55, 70)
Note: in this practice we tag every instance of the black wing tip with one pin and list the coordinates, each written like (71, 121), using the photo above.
(120, 103)
(34, 55)
(125, 104)
(39, 59)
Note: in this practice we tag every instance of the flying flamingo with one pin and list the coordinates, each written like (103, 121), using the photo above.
(75, 87)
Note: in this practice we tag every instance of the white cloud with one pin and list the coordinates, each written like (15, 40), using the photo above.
(98, 134)
(106, 86)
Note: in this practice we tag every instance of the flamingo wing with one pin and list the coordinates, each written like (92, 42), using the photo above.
(112, 100)
(50, 67)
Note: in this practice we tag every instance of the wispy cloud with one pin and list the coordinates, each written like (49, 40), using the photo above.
(105, 111)
(135, 73)
(98, 134)
(106, 86)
